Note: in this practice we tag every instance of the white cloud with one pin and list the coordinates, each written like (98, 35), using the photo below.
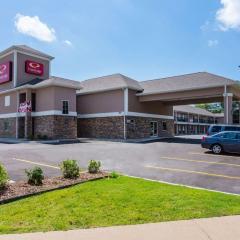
(205, 26)
(212, 43)
(228, 16)
(33, 27)
(67, 42)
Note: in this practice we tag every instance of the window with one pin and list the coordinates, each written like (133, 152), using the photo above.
(164, 126)
(238, 136)
(216, 129)
(65, 107)
(230, 135)
(219, 135)
(154, 129)
(6, 125)
(232, 128)
(7, 101)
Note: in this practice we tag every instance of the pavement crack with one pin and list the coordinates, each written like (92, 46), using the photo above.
(203, 231)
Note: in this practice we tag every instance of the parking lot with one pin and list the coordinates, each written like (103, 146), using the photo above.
(179, 160)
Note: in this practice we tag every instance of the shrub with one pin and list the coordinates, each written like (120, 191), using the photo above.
(70, 169)
(3, 177)
(35, 176)
(114, 175)
(94, 166)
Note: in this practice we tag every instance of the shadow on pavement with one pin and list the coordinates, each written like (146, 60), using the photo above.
(223, 154)
(64, 142)
(181, 140)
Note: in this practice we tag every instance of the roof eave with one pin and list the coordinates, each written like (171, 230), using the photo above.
(107, 90)
(186, 89)
(55, 82)
(19, 49)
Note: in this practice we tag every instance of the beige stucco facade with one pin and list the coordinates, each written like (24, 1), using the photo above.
(101, 102)
(50, 98)
(12, 106)
(153, 107)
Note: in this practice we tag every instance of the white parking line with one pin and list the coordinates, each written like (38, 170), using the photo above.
(36, 163)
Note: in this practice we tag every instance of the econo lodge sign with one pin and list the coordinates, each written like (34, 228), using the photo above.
(5, 72)
(34, 68)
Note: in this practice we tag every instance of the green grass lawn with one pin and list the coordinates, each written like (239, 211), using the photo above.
(113, 202)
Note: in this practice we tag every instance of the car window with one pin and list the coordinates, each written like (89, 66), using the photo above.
(231, 128)
(238, 136)
(230, 135)
(219, 135)
(216, 129)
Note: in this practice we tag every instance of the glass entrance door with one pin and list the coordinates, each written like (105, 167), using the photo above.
(153, 129)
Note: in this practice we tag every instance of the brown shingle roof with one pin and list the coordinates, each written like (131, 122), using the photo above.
(192, 109)
(196, 110)
(198, 80)
(110, 82)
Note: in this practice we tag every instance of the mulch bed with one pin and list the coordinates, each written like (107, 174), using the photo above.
(21, 189)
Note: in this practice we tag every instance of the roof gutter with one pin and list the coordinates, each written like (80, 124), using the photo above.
(107, 90)
(186, 89)
(28, 86)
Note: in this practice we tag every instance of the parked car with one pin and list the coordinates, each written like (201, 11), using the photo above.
(223, 142)
(216, 128)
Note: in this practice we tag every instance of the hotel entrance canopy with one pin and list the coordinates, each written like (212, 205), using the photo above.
(193, 88)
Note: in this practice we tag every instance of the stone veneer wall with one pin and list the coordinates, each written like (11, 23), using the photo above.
(21, 127)
(55, 127)
(113, 128)
(139, 127)
(8, 127)
(104, 127)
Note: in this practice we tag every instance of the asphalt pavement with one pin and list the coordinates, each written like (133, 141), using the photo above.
(180, 161)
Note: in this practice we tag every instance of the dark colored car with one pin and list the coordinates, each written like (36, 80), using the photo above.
(216, 128)
(222, 142)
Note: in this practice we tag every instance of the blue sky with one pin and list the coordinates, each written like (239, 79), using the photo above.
(143, 39)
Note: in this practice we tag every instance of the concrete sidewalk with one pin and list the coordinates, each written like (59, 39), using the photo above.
(200, 229)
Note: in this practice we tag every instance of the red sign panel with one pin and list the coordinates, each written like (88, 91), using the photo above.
(34, 68)
(5, 72)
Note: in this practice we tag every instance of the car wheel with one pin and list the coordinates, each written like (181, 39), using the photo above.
(217, 149)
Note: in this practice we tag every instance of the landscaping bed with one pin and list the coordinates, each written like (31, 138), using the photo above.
(20, 189)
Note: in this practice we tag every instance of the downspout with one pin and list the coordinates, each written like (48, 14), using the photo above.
(15, 69)
(15, 72)
(125, 113)
(17, 117)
